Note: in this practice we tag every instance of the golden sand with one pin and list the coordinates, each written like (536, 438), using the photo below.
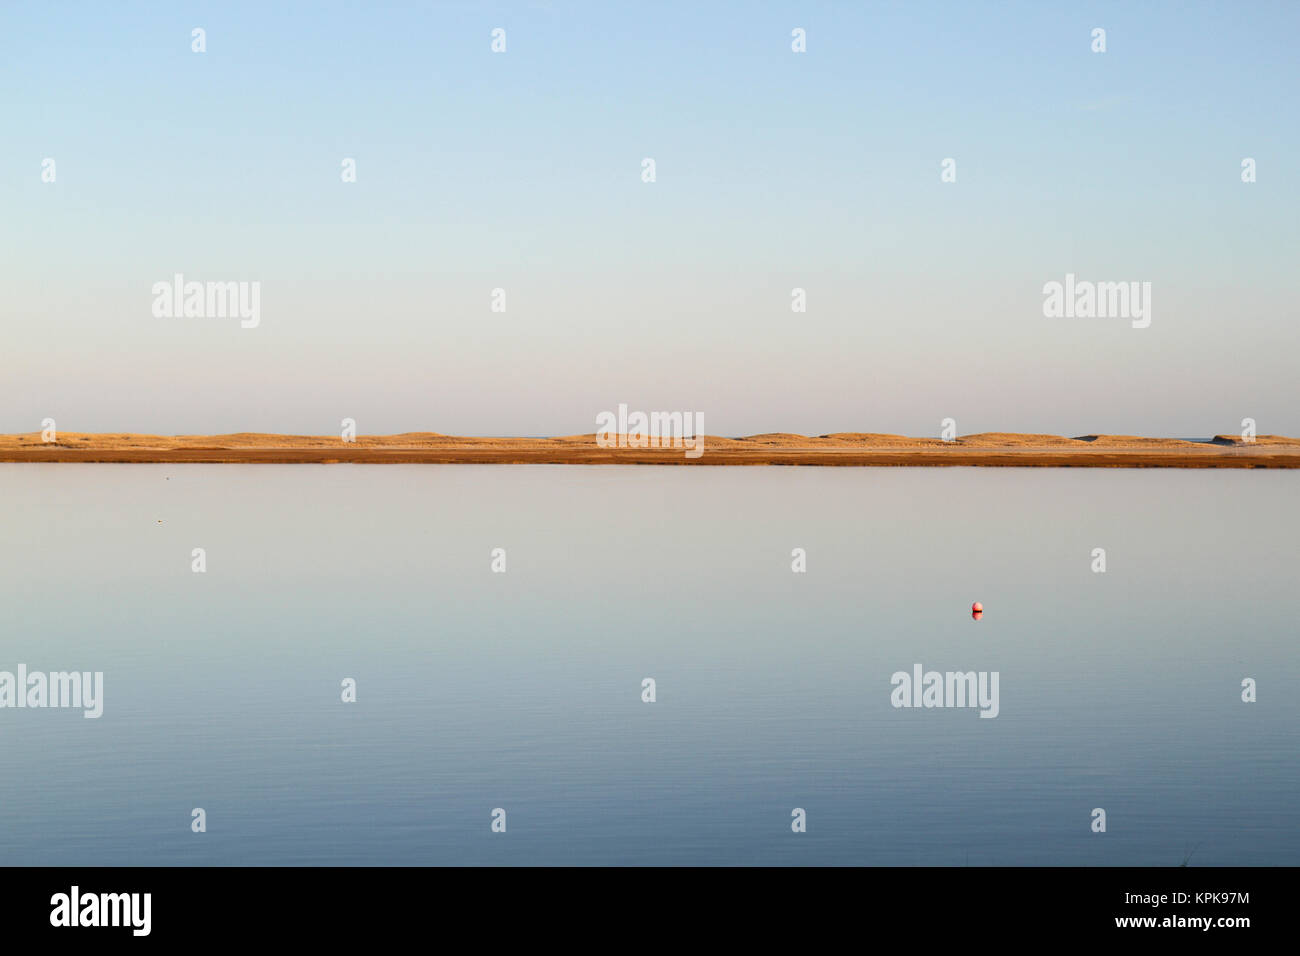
(775, 448)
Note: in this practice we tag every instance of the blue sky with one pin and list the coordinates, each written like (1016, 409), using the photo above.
(774, 170)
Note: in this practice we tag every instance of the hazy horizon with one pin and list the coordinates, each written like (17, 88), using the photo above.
(361, 434)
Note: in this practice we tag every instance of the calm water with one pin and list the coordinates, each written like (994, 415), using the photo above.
(522, 690)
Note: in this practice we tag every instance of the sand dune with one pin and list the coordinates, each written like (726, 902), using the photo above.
(1259, 440)
(1011, 439)
(1135, 440)
(768, 448)
(880, 439)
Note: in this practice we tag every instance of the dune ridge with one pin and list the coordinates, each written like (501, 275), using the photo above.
(767, 448)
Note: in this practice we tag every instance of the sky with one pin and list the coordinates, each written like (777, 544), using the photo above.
(774, 170)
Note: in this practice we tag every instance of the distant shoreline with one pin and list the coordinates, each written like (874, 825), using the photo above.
(838, 449)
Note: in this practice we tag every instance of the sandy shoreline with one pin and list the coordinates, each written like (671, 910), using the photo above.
(843, 449)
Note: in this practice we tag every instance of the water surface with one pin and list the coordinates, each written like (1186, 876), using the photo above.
(522, 690)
